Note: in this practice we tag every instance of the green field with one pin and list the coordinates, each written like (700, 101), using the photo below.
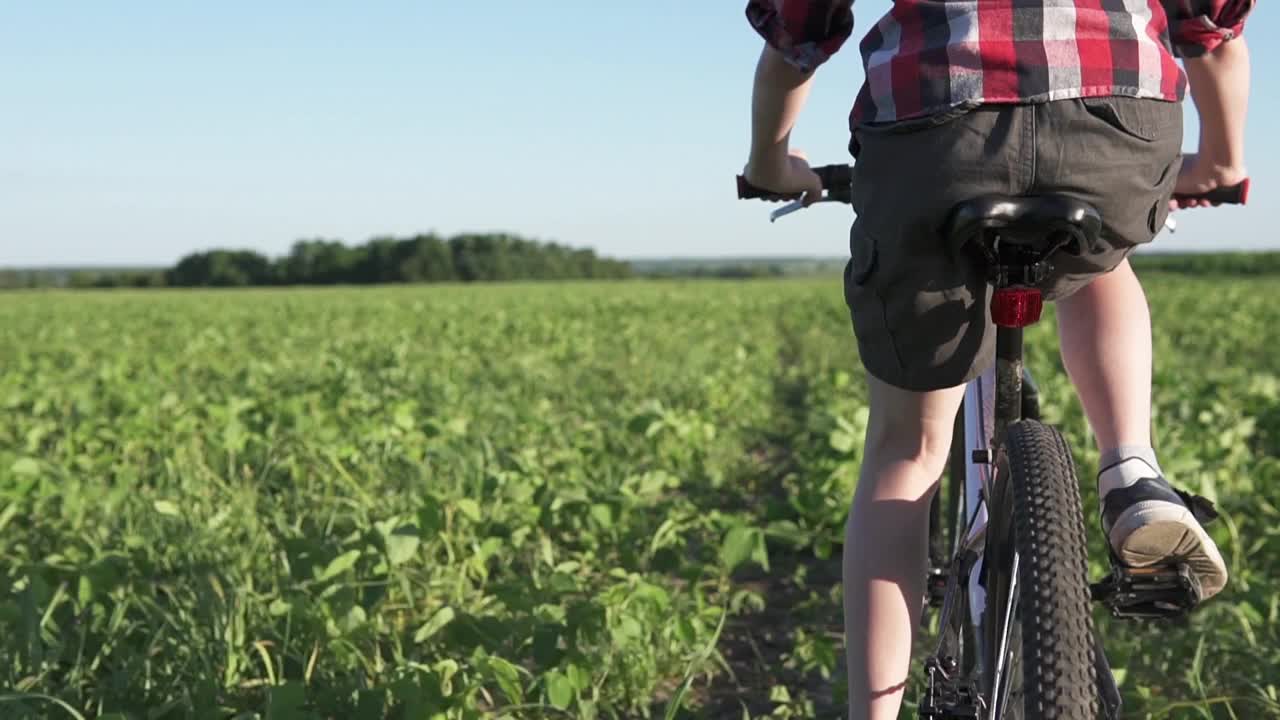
(605, 500)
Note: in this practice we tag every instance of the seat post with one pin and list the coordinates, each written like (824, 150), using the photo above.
(1008, 408)
(1015, 303)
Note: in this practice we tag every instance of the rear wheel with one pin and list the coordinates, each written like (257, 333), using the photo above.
(1038, 625)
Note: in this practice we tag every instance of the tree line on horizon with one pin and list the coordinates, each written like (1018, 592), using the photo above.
(424, 258)
(498, 257)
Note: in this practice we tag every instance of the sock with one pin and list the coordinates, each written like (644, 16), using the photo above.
(1124, 466)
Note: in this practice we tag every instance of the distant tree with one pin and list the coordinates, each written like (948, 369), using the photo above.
(81, 279)
(147, 279)
(481, 257)
(471, 257)
(1221, 263)
(320, 262)
(427, 258)
(222, 268)
(376, 262)
(10, 279)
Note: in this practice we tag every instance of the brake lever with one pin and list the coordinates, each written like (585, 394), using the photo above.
(785, 210)
(795, 205)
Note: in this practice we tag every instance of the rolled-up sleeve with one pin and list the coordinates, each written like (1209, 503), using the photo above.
(806, 32)
(1196, 27)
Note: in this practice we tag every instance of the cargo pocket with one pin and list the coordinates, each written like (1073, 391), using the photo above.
(1142, 118)
(864, 258)
(1140, 138)
(864, 255)
(1160, 211)
(862, 293)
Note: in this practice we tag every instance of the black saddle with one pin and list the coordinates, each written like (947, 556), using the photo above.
(1043, 222)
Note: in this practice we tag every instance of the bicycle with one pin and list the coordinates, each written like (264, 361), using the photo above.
(1009, 564)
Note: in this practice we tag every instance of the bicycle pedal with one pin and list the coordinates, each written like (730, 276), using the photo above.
(1148, 593)
(966, 711)
(947, 697)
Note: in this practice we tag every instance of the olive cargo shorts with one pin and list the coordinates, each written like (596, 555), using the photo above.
(920, 305)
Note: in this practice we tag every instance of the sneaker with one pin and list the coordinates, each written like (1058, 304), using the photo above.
(1149, 523)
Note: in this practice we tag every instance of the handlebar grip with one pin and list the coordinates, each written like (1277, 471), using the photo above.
(1233, 195)
(834, 178)
(747, 191)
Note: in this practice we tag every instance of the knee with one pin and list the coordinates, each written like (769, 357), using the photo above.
(926, 445)
(911, 429)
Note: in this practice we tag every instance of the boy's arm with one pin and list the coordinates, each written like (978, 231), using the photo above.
(779, 95)
(799, 36)
(1219, 83)
(1207, 35)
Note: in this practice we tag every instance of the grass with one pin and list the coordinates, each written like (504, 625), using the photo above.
(579, 500)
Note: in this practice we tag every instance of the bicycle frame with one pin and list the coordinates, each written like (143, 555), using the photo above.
(978, 412)
(979, 419)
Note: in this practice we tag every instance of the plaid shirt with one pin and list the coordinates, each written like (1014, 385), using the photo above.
(928, 56)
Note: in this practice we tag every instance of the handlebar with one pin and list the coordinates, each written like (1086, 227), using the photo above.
(1234, 195)
(837, 181)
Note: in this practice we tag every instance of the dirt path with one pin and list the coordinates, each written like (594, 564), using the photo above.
(800, 627)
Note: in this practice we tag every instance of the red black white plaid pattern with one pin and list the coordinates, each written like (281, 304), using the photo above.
(928, 56)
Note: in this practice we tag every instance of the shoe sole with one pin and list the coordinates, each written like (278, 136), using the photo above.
(1157, 532)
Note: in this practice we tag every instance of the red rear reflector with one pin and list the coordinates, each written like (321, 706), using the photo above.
(1016, 307)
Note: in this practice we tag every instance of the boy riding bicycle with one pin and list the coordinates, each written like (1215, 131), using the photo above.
(964, 98)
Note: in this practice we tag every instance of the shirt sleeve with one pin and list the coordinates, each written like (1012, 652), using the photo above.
(1196, 27)
(806, 32)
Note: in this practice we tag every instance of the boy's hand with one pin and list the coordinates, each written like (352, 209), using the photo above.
(1199, 175)
(785, 175)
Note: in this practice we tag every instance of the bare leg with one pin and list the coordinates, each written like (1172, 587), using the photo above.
(1106, 345)
(885, 552)
(1105, 330)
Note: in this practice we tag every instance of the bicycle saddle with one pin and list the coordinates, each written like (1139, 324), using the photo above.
(1034, 221)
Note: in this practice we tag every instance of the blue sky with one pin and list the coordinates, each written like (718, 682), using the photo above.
(133, 133)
